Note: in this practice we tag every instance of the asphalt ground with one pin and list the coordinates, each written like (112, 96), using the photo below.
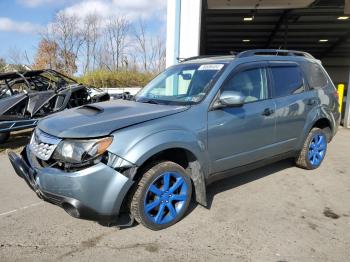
(276, 213)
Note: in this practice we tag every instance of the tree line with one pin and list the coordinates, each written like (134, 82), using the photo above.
(71, 44)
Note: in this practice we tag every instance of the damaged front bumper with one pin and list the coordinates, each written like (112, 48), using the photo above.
(95, 193)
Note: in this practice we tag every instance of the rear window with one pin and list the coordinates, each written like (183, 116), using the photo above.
(288, 80)
(315, 75)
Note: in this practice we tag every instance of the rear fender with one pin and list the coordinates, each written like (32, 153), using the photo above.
(314, 115)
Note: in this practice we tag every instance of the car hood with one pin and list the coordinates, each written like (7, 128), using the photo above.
(101, 119)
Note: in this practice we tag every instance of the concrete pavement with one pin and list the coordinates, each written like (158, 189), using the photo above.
(275, 213)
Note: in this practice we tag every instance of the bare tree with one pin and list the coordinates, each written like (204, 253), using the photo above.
(132, 59)
(91, 35)
(141, 43)
(95, 43)
(116, 31)
(150, 49)
(104, 60)
(3, 64)
(158, 54)
(66, 32)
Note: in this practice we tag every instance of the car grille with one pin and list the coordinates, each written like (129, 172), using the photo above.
(43, 145)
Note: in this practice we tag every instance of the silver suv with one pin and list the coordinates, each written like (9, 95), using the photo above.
(201, 120)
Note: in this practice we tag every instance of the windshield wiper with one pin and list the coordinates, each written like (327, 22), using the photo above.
(149, 101)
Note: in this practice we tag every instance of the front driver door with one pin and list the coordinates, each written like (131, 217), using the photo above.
(241, 135)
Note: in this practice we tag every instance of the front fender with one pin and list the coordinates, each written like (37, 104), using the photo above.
(157, 142)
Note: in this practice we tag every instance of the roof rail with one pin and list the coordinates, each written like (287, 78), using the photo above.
(276, 52)
(195, 57)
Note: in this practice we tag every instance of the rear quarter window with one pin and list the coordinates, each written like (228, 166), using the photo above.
(287, 80)
(315, 75)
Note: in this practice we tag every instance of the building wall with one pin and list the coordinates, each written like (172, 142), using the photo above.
(191, 12)
(183, 29)
(184, 38)
(339, 74)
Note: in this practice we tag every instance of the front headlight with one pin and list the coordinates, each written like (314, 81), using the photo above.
(80, 151)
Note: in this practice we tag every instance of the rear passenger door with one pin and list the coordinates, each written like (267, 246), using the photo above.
(293, 103)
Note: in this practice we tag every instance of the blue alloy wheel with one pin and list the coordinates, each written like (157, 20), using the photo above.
(165, 198)
(317, 149)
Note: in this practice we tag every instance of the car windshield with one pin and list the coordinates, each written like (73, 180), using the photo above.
(180, 84)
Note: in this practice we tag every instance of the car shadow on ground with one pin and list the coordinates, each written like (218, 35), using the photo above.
(17, 140)
(245, 178)
(221, 186)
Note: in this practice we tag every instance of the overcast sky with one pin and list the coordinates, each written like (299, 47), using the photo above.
(21, 20)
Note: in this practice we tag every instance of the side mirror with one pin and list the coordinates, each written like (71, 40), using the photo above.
(230, 99)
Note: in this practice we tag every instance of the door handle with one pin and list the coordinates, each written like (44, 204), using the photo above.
(268, 111)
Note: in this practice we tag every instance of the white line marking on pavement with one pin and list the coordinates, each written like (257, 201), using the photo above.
(21, 208)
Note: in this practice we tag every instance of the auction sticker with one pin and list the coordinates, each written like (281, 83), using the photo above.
(211, 67)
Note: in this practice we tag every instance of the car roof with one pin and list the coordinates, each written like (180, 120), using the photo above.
(255, 55)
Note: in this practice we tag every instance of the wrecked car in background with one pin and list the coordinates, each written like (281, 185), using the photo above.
(25, 97)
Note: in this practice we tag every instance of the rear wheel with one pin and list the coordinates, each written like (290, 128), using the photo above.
(4, 137)
(314, 149)
(162, 196)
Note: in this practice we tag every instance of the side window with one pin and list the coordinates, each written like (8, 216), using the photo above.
(252, 83)
(315, 75)
(287, 80)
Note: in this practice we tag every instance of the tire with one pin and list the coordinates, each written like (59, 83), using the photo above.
(157, 204)
(314, 149)
(4, 137)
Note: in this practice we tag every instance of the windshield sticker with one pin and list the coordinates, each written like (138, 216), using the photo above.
(216, 67)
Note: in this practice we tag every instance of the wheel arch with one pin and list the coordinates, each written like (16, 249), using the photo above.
(321, 118)
(324, 123)
(176, 146)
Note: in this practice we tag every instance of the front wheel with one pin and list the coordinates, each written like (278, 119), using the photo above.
(162, 196)
(314, 149)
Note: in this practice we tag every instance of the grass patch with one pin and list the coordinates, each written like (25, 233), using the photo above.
(105, 79)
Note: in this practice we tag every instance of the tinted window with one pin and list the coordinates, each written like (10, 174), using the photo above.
(287, 80)
(251, 83)
(315, 75)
